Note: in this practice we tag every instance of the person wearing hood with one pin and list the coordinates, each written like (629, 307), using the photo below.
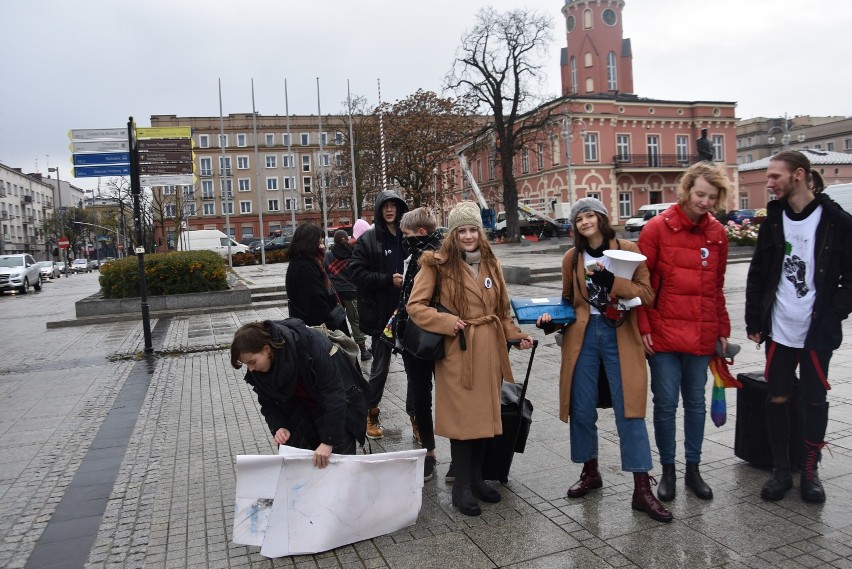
(337, 266)
(687, 255)
(376, 269)
(310, 393)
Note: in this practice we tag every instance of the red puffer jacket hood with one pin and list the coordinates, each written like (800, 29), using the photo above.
(687, 262)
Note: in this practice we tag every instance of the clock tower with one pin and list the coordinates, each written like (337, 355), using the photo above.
(598, 59)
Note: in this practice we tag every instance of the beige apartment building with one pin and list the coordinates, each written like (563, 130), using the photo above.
(25, 202)
(761, 137)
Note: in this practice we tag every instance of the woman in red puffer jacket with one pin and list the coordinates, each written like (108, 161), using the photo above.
(687, 251)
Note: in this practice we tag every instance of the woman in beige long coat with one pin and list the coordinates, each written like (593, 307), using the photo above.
(606, 334)
(466, 278)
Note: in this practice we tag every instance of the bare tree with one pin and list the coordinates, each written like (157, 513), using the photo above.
(499, 65)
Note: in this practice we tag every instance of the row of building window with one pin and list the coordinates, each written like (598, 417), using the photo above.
(304, 139)
(270, 161)
(247, 206)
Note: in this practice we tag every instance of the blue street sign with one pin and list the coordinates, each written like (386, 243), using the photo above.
(98, 171)
(99, 159)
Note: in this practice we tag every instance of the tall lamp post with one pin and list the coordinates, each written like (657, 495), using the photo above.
(785, 132)
(61, 215)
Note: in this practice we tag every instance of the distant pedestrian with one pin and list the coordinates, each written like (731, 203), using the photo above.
(337, 266)
(797, 295)
(687, 255)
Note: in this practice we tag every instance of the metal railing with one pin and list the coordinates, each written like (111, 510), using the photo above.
(652, 160)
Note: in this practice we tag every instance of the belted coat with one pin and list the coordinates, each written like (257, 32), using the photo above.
(467, 382)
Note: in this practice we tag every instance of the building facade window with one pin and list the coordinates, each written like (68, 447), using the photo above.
(167, 191)
(540, 156)
(286, 160)
(225, 165)
(242, 162)
(271, 161)
(587, 59)
(590, 147)
(270, 139)
(718, 148)
(306, 184)
(289, 204)
(223, 141)
(169, 210)
(242, 140)
(209, 209)
(492, 167)
(338, 138)
(309, 203)
(306, 163)
(203, 141)
(622, 147)
(829, 146)
(289, 183)
(525, 161)
(285, 139)
(590, 85)
(653, 147)
(325, 160)
(207, 189)
(305, 138)
(272, 183)
(847, 144)
(573, 67)
(682, 147)
(227, 188)
(587, 19)
(611, 72)
(324, 138)
(228, 208)
(272, 205)
(244, 184)
(625, 205)
(245, 207)
(206, 166)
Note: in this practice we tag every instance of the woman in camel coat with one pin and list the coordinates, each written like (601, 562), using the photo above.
(605, 335)
(467, 280)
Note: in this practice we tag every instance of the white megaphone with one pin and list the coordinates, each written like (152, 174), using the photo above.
(623, 264)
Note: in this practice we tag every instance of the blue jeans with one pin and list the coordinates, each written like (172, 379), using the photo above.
(600, 345)
(674, 374)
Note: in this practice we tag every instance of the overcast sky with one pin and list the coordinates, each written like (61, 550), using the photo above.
(93, 63)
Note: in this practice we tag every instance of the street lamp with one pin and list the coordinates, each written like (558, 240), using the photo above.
(61, 214)
(785, 133)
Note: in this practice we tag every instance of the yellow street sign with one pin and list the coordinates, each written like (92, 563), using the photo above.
(164, 132)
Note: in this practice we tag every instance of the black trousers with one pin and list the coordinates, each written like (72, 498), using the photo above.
(781, 364)
(419, 373)
(304, 432)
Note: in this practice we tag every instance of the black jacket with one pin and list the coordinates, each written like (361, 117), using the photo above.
(329, 380)
(832, 280)
(307, 295)
(377, 297)
(337, 261)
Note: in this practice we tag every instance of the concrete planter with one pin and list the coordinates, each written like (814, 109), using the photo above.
(96, 305)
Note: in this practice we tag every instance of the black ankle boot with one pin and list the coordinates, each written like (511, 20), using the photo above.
(666, 488)
(777, 485)
(463, 497)
(694, 482)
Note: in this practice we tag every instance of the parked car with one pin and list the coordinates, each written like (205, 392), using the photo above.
(82, 265)
(563, 229)
(644, 215)
(106, 260)
(842, 194)
(273, 243)
(19, 272)
(248, 240)
(49, 269)
(742, 215)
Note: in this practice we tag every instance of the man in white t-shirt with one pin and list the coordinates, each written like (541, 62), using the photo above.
(795, 302)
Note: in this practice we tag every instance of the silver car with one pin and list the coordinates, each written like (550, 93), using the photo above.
(19, 272)
(49, 269)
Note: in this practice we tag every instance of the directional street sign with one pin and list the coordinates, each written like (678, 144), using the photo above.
(100, 146)
(165, 144)
(96, 133)
(164, 132)
(166, 168)
(98, 171)
(99, 159)
(178, 180)
(165, 156)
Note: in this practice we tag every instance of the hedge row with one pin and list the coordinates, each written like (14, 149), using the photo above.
(242, 259)
(176, 272)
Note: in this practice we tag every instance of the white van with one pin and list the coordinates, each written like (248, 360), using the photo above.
(645, 213)
(842, 194)
(208, 240)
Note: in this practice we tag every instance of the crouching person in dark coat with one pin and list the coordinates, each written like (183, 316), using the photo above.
(310, 392)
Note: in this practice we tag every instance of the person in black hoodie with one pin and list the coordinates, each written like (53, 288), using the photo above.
(376, 268)
(309, 391)
(337, 267)
(310, 295)
(797, 295)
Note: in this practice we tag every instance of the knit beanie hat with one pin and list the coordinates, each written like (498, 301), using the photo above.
(359, 228)
(465, 213)
(587, 204)
(340, 236)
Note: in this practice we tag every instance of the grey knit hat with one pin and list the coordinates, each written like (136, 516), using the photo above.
(465, 213)
(587, 204)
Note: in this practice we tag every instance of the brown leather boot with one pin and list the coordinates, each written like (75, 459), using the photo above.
(645, 501)
(590, 479)
(374, 428)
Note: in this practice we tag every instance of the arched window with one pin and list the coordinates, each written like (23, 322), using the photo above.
(587, 19)
(611, 72)
(587, 59)
(573, 66)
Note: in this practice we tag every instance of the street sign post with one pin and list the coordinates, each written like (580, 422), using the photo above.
(174, 180)
(100, 146)
(97, 133)
(63, 242)
(165, 168)
(98, 171)
(165, 144)
(99, 159)
(164, 132)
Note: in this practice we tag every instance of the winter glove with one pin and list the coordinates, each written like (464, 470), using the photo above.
(603, 278)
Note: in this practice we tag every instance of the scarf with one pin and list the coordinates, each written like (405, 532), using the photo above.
(472, 260)
(414, 246)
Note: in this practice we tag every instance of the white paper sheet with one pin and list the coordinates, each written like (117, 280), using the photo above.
(287, 506)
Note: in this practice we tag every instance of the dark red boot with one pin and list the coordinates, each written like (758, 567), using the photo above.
(645, 501)
(590, 479)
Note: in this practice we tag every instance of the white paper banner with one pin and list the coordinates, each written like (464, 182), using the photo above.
(286, 506)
